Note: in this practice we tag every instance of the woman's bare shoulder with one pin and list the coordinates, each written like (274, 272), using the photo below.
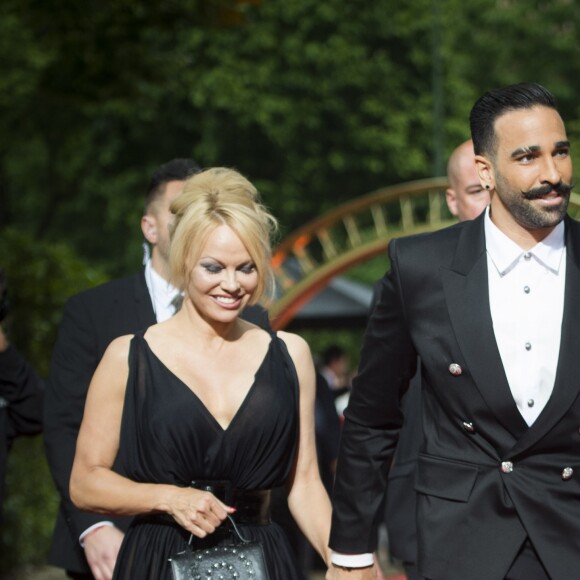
(117, 352)
(297, 346)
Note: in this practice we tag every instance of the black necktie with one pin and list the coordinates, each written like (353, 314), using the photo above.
(177, 302)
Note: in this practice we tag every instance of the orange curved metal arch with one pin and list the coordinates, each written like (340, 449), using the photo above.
(350, 234)
(354, 233)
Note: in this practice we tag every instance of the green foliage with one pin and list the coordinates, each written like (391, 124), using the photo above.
(30, 506)
(40, 278)
(307, 99)
(350, 340)
(317, 102)
(371, 271)
(90, 106)
(489, 43)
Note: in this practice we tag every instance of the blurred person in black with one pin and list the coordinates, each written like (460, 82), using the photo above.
(334, 368)
(21, 392)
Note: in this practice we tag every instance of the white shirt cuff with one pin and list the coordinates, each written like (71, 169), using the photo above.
(93, 527)
(352, 560)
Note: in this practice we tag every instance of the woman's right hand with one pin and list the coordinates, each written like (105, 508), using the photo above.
(199, 512)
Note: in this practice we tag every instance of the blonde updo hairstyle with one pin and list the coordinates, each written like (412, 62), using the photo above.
(215, 197)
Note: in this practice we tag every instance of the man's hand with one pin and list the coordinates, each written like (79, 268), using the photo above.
(340, 573)
(101, 549)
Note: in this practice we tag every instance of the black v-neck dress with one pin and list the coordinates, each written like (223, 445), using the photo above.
(168, 436)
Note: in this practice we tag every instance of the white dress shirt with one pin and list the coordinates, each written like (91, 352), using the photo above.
(526, 298)
(162, 293)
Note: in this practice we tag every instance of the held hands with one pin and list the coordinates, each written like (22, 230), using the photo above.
(101, 549)
(199, 512)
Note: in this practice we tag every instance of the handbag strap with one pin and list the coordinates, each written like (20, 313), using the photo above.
(244, 540)
(236, 529)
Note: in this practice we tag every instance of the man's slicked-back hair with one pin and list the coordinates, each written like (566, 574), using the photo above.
(497, 102)
(175, 170)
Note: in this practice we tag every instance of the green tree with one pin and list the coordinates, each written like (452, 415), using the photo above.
(317, 102)
(91, 104)
(490, 43)
(311, 101)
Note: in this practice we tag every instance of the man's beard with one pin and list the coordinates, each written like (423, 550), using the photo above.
(529, 215)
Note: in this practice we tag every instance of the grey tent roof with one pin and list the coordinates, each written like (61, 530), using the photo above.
(343, 303)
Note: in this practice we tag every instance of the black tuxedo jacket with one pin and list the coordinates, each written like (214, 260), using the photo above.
(21, 392)
(472, 516)
(91, 320)
(401, 500)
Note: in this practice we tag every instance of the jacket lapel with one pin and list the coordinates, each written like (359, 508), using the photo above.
(567, 383)
(466, 290)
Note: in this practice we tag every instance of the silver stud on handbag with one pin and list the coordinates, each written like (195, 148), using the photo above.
(244, 561)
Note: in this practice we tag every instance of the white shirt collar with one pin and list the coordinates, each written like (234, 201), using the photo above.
(161, 291)
(505, 253)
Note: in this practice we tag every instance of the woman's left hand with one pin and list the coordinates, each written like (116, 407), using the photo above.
(199, 512)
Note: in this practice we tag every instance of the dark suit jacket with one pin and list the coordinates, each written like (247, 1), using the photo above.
(91, 320)
(401, 500)
(472, 517)
(21, 392)
(327, 430)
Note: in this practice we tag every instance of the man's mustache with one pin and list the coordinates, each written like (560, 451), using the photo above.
(561, 188)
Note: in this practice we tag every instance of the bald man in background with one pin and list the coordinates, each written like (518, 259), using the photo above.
(465, 197)
(466, 200)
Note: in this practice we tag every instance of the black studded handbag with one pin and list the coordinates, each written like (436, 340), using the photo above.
(236, 561)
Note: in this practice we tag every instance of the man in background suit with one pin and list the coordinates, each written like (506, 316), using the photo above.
(490, 307)
(91, 320)
(466, 199)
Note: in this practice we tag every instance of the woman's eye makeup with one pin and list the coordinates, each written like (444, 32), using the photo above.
(247, 268)
(212, 268)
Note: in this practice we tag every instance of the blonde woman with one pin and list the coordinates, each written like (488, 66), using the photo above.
(205, 413)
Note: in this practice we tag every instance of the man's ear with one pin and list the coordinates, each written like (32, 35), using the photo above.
(149, 228)
(485, 171)
(451, 199)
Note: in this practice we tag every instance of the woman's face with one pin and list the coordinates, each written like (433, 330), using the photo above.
(224, 277)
